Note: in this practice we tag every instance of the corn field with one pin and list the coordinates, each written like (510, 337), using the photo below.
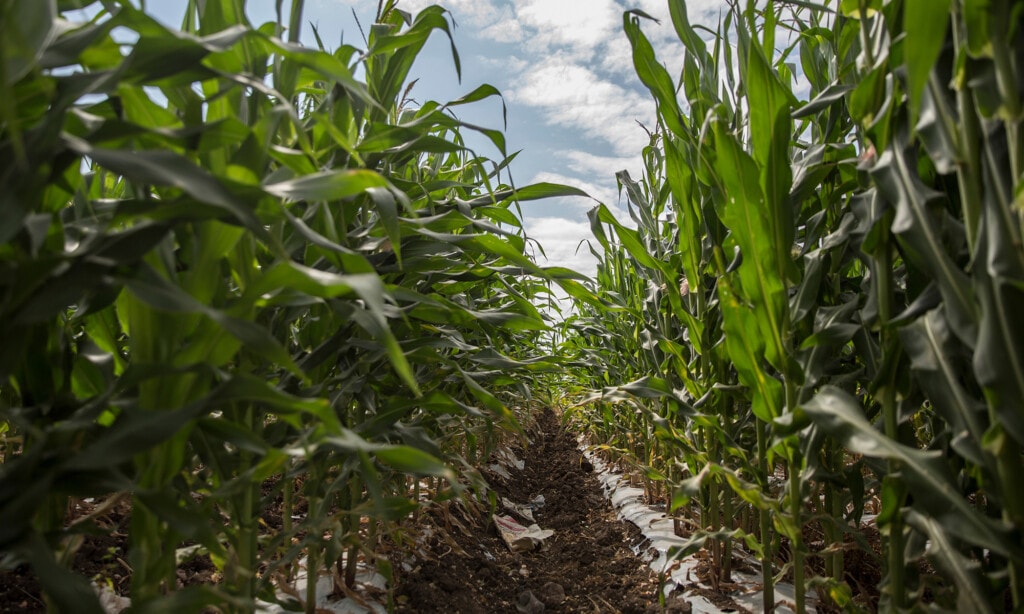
(234, 273)
(240, 274)
(814, 323)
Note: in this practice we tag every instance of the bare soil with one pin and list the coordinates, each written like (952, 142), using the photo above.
(586, 566)
(465, 567)
(460, 564)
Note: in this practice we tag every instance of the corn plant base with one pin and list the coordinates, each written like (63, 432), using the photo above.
(324, 590)
(659, 531)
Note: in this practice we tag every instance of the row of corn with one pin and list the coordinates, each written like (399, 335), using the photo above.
(812, 328)
(250, 292)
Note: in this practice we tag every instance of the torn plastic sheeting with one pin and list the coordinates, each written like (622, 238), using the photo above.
(111, 602)
(657, 528)
(523, 510)
(499, 470)
(507, 458)
(517, 537)
(325, 601)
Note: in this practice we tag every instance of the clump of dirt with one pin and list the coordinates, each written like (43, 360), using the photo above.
(586, 566)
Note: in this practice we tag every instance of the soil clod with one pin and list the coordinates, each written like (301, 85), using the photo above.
(529, 604)
(552, 594)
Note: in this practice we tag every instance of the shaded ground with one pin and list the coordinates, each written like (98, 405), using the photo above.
(586, 566)
(462, 565)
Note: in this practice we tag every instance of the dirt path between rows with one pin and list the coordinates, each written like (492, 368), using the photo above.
(461, 565)
(586, 566)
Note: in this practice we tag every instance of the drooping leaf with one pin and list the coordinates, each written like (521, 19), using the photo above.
(927, 477)
(926, 22)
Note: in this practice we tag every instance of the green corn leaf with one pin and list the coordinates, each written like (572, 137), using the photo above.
(685, 31)
(508, 319)
(563, 273)
(482, 92)
(920, 217)
(966, 573)
(137, 430)
(69, 591)
(179, 518)
(134, 431)
(486, 244)
(578, 291)
(933, 352)
(681, 181)
(235, 434)
(770, 133)
(367, 287)
(649, 387)
(148, 61)
(392, 139)
(745, 213)
(64, 288)
(926, 22)
(927, 476)
(373, 321)
(832, 94)
(630, 239)
(328, 185)
(977, 14)
(387, 209)
(746, 348)
(162, 295)
(401, 50)
(852, 8)
(165, 168)
(501, 216)
(999, 356)
(531, 192)
(414, 462)
(652, 74)
(537, 191)
(26, 32)
(326, 66)
(487, 399)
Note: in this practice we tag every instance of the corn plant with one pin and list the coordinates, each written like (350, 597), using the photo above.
(234, 274)
(818, 290)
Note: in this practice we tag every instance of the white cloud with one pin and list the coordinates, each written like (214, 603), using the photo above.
(574, 62)
(603, 166)
(505, 29)
(476, 14)
(571, 68)
(510, 64)
(602, 188)
(580, 26)
(574, 97)
(598, 187)
(617, 56)
(564, 243)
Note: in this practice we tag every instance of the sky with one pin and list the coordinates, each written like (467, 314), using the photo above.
(565, 71)
(564, 67)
